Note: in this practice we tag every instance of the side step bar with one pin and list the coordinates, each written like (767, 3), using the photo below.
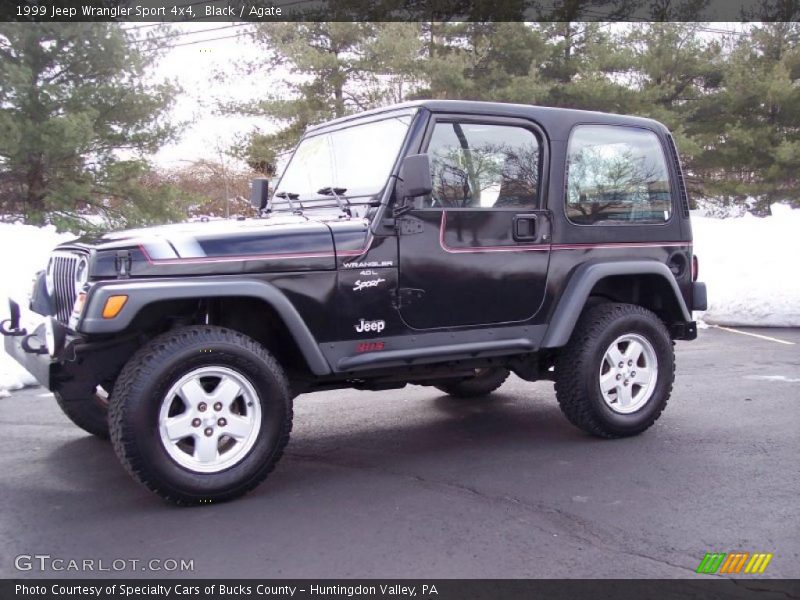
(415, 356)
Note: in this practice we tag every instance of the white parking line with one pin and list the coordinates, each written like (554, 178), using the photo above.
(755, 335)
(782, 378)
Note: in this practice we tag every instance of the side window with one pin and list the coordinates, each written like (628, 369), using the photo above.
(616, 175)
(483, 166)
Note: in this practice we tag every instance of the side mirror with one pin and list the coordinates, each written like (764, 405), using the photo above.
(259, 193)
(414, 178)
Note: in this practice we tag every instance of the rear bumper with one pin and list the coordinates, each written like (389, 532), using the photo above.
(684, 330)
(699, 296)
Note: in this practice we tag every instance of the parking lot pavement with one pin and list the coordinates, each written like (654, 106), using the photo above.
(411, 483)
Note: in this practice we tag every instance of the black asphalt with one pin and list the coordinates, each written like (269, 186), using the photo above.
(411, 483)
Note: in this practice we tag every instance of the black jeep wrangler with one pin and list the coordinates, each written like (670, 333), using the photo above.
(439, 243)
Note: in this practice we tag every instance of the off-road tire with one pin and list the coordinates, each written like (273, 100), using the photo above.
(578, 364)
(89, 413)
(482, 384)
(143, 384)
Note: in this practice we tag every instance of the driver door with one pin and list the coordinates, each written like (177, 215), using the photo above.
(476, 250)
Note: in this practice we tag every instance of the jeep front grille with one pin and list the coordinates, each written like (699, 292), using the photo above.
(63, 266)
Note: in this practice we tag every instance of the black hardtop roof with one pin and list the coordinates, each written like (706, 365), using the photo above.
(557, 121)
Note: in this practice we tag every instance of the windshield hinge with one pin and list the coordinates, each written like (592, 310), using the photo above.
(122, 263)
(401, 209)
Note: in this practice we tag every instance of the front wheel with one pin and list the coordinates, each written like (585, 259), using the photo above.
(614, 376)
(201, 414)
(90, 412)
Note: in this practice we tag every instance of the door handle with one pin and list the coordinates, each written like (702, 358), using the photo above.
(525, 229)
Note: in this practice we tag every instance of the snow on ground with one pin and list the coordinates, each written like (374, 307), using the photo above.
(749, 264)
(23, 251)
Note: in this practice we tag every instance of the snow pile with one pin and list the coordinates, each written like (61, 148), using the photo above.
(750, 265)
(24, 250)
(722, 209)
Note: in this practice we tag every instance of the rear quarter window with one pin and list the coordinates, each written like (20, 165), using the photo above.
(616, 176)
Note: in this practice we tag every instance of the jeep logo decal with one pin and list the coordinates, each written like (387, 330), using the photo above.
(376, 326)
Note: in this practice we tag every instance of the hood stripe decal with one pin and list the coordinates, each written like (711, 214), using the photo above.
(266, 256)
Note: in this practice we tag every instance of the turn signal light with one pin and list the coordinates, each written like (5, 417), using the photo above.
(695, 267)
(113, 305)
(77, 308)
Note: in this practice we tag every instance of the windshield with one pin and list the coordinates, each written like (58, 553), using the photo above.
(358, 159)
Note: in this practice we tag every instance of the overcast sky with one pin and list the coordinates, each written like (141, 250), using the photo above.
(192, 67)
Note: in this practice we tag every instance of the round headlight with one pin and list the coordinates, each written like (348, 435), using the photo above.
(81, 274)
(54, 335)
(49, 279)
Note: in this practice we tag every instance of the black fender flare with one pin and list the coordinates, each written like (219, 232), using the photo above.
(142, 293)
(580, 285)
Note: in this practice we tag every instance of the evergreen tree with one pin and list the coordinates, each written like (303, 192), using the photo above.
(672, 70)
(552, 64)
(675, 76)
(336, 68)
(480, 61)
(583, 67)
(751, 144)
(76, 118)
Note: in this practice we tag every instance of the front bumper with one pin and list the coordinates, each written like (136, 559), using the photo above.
(64, 361)
(38, 363)
(38, 352)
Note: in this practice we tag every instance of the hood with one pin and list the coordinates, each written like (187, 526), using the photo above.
(276, 243)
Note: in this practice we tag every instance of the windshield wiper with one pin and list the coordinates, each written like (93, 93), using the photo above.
(289, 196)
(335, 192)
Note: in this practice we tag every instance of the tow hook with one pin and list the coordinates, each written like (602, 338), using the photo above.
(13, 328)
(39, 349)
(49, 337)
(10, 330)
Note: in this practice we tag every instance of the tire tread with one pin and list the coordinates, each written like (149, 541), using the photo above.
(86, 414)
(138, 371)
(573, 358)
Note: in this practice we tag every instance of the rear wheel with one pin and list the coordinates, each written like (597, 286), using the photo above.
(484, 382)
(614, 377)
(201, 414)
(90, 413)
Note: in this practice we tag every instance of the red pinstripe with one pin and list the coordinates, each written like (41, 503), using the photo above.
(548, 247)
